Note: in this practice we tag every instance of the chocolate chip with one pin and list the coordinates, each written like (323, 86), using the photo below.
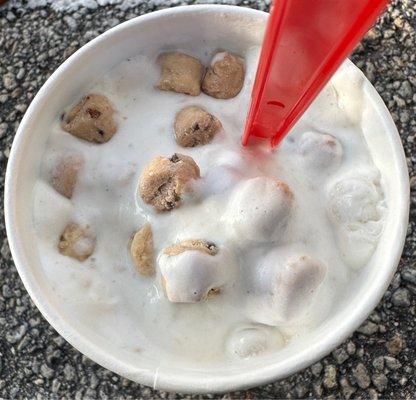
(175, 158)
(93, 113)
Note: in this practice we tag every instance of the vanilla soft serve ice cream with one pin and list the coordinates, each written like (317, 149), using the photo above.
(285, 230)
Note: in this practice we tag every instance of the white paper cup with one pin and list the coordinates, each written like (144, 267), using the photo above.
(232, 28)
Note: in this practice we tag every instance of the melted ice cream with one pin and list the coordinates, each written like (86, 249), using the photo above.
(293, 254)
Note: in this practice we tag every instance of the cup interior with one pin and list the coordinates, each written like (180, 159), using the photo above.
(227, 27)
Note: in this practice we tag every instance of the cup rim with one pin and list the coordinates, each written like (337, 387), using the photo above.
(172, 381)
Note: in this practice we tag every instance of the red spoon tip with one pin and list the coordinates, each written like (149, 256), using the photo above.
(304, 44)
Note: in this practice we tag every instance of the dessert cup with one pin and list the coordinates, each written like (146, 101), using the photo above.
(233, 28)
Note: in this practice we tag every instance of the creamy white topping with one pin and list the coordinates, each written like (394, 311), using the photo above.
(333, 220)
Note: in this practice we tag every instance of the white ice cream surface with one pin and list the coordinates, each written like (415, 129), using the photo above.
(287, 255)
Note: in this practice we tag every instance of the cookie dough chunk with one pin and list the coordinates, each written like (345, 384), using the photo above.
(198, 244)
(180, 73)
(142, 251)
(92, 119)
(165, 179)
(194, 126)
(76, 242)
(259, 210)
(64, 174)
(320, 152)
(285, 287)
(195, 270)
(225, 76)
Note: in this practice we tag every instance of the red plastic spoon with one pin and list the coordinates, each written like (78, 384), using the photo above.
(304, 44)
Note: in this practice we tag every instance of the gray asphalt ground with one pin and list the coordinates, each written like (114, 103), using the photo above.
(378, 361)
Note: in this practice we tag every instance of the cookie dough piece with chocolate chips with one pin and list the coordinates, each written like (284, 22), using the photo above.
(164, 180)
(225, 76)
(77, 242)
(180, 73)
(194, 127)
(92, 119)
